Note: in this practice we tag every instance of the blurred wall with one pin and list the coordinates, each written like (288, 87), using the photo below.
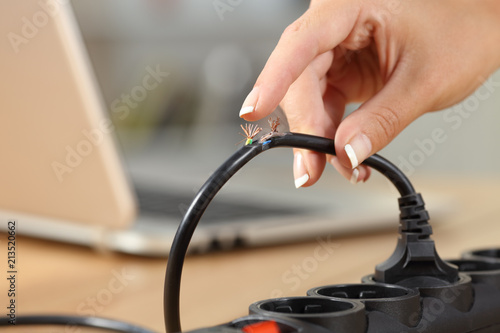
(212, 50)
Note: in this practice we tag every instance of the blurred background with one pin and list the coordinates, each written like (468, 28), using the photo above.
(214, 50)
(211, 50)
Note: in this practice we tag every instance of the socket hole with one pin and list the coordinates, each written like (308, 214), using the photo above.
(492, 253)
(284, 309)
(474, 265)
(362, 291)
(305, 305)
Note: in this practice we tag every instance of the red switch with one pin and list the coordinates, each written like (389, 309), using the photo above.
(268, 326)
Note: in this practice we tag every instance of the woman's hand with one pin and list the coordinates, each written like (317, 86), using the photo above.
(402, 58)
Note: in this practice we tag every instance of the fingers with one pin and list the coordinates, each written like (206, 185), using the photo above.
(359, 174)
(377, 122)
(307, 112)
(320, 29)
(297, 69)
(307, 167)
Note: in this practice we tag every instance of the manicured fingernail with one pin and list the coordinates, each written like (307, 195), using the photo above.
(333, 161)
(299, 171)
(351, 175)
(358, 149)
(352, 155)
(250, 102)
(245, 110)
(354, 176)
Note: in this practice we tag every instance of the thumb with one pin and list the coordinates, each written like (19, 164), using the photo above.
(375, 124)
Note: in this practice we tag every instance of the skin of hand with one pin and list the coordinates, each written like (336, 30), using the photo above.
(401, 58)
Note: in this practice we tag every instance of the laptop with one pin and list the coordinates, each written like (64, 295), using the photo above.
(63, 176)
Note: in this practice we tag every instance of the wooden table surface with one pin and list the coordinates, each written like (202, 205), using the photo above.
(56, 278)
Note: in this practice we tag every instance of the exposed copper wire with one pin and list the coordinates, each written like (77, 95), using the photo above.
(250, 130)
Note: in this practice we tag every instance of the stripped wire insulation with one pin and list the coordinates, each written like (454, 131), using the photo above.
(274, 129)
(250, 130)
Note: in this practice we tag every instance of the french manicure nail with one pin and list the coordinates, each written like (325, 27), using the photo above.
(354, 176)
(358, 149)
(352, 155)
(250, 102)
(299, 170)
(245, 110)
(301, 180)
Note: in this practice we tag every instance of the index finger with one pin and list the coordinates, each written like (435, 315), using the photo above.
(321, 28)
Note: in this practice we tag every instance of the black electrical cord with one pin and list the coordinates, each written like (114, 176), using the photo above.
(215, 183)
(75, 321)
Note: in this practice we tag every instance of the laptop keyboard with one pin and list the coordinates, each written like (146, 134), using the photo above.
(174, 205)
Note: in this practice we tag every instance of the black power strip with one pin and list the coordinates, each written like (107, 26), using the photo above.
(413, 291)
(470, 304)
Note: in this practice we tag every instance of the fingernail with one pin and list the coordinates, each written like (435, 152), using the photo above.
(299, 171)
(250, 102)
(333, 161)
(358, 149)
(354, 176)
(351, 175)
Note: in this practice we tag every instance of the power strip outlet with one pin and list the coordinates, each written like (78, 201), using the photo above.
(471, 304)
